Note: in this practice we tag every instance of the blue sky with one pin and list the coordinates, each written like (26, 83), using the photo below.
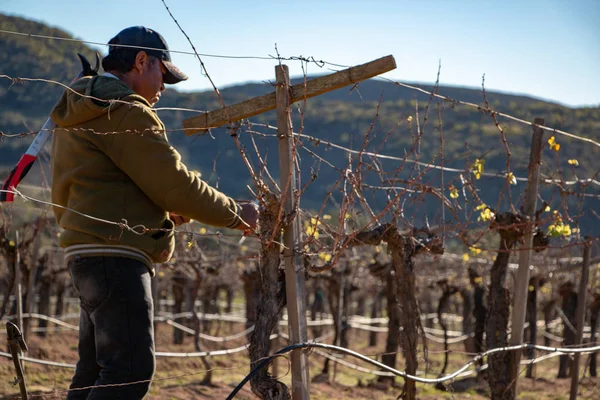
(545, 48)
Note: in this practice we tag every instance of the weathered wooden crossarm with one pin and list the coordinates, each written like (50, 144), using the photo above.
(314, 87)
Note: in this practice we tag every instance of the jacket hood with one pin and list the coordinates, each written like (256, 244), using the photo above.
(75, 107)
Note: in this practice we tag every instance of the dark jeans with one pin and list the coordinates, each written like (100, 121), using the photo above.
(116, 339)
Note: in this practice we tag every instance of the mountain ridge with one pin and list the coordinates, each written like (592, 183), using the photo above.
(343, 116)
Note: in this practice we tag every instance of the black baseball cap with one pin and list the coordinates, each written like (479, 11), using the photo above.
(143, 39)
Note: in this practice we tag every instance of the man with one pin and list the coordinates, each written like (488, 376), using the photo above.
(111, 160)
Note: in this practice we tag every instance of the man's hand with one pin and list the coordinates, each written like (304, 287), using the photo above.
(248, 215)
(178, 219)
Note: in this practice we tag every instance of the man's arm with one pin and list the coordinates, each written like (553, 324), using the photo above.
(155, 166)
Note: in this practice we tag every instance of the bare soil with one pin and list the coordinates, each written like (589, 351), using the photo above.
(180, 378)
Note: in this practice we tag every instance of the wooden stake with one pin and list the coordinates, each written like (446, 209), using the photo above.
(294, 268)
(340, 309)
(30, 299)
(19, 294)
(17, 345)
(314, 87)
(522, 280)
(532, 325)
(580, 318)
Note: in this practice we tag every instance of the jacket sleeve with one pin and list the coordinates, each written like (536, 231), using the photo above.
(142, 151)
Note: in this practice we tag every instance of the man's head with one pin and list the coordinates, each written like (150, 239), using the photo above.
(140, 57)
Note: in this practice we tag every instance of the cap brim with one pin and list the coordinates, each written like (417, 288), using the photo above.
(173, 75)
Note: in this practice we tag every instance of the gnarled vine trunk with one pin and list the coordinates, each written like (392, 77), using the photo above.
(479, 310)
(507, 225)
(179, 281)
(375, 313)
(403, 248)
(402, 259)
(532, 310)
(467, 315)
(393, 336)
(250, 278)
(569, 309)
(594, 310)
(270, 302)
(447, 292)
(385, 273)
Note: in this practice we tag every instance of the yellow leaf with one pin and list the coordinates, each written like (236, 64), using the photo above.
(475, 250)
(326, 217)
(465, 257)
(202, 231)
(481, 206)
(244, 248)
(11, 243)
(486, 215)
(531, 288)
(409, 118)
(190, 244)
(347, 216)
(574, 162)
(558, 228)
(477, 168)
(511, 178)
(325, 257)
(479, 279)
(547, 209)
(311, 230)
(453, 192)
(553, 145)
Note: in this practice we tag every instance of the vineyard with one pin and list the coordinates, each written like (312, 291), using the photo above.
(426, 273)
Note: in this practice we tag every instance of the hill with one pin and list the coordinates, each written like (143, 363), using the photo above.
(344, 116)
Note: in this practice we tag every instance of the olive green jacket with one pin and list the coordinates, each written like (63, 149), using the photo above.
(111, 160)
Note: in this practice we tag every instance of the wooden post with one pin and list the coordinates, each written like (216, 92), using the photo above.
(532, 309)
(30, 299)
(17, 345)
(522, 280)
(340, 309)
(19, 288)
(294, 268)
(580, 318)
